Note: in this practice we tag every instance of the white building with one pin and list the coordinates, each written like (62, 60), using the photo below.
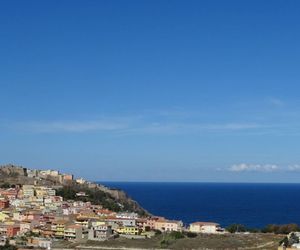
(80, 181)
(126, 215)
(100, 232)
(28, 190)
(205, 227)
(32, 173)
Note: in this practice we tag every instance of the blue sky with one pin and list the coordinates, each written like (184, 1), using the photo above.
(152, 90)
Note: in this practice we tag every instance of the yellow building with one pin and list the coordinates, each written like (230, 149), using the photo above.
(58, 228)
(28, 190)
(98, 223)
(44, 191)
(129, 230)
(73, 232)
(3, 216)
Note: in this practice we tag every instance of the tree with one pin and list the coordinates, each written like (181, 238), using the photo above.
(176, 235)
(7, 246)
(191, 235)
(5, 185)
(284, 242)
(235, 228)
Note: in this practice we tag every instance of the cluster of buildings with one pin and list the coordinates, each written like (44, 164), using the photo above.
(46, 174)
(34, 215)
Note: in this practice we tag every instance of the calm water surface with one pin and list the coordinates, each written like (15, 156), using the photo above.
(254, 205)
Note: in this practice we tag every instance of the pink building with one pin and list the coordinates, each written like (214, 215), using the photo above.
(165, 225)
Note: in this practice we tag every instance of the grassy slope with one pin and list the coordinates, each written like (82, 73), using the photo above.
(230, 241)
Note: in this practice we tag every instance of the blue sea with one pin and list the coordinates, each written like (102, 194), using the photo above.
(254, 205)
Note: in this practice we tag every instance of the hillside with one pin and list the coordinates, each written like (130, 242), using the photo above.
(200, 242)
(115, 200)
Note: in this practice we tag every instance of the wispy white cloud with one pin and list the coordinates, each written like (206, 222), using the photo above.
(275, 102)
(70, 126)
(233, 126)
(184, 128)
(174, 121)
(127, 125)
(294, 168)
(243, 167)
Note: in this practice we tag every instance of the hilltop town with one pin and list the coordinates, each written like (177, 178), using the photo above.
(42, 207)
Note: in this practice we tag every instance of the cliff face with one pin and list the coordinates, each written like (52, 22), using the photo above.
(10, 169)
(99, 194)
(14, 175)
(121, 196)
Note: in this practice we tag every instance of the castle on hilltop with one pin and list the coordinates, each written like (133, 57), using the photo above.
(11, 170)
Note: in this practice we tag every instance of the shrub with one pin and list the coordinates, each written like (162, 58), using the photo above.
(191, 235)
(234, 228)
(5, 185)
(284, 242)
(7, 246)
(176, 235)
(293, 239)
(164, 243)
(157, 232)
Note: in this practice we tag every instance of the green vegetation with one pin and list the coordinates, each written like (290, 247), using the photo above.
(96, 197)
(284, 242)
(176, 235)
(169, 238)
(281, 229)
(157, 232)
(5, 185)
(7, 246)
(272, 228)
(234, 228)
(289, 241)
(202, 241)
(32, 234)
(67, 193)
(191, 235)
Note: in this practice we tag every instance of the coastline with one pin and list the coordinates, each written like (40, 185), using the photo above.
(250, 204)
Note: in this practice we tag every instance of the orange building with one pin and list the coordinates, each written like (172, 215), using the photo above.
(4, 203)
(68, 177)
(10, 193)
(12, 230)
